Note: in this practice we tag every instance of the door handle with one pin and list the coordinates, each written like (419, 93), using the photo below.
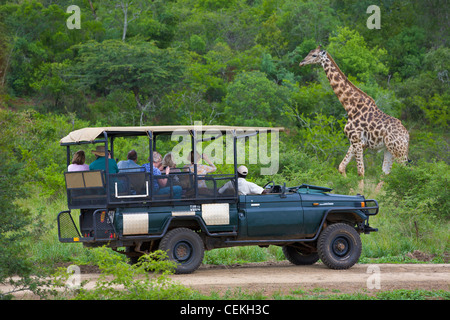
(254, 204)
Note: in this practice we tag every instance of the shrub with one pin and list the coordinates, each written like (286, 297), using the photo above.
(122, 281)
(421, 187)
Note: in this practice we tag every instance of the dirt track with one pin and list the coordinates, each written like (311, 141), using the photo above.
(283, 277)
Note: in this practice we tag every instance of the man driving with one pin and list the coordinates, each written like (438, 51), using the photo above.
(244, 187)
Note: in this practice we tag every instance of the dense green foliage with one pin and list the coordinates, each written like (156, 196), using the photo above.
(210, 51)
(232, 62)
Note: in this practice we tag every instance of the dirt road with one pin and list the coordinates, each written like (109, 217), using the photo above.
(283, 277)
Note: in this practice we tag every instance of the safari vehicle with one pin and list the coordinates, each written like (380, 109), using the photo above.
(121, 210)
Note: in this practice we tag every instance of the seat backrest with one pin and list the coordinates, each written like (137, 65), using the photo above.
(84, 179)
(93, 179)
(74, 180)
(137, 181)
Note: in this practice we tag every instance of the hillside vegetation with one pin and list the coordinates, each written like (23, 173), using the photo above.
(230, 62)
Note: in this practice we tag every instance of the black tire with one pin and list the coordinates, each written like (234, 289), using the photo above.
(295, 256)
(185, 247)
(339, 246)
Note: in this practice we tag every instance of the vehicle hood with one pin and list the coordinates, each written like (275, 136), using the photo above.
(330, 200)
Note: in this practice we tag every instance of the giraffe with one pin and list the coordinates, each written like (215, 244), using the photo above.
(367, 126)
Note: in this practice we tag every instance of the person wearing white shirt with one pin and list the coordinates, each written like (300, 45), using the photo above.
(244, 187)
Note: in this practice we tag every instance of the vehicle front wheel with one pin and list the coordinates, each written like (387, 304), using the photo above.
(185, 247)
(297, 257)
(339, 246)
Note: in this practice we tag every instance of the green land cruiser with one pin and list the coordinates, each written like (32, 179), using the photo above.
(122, 210)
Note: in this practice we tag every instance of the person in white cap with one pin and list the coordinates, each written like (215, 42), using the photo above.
(244, 187)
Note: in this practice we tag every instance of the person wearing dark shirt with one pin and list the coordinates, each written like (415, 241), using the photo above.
(100, 162)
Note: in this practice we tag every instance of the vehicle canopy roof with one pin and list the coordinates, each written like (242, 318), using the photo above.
(90, 134)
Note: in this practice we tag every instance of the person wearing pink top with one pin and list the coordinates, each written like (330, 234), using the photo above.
(78, 162)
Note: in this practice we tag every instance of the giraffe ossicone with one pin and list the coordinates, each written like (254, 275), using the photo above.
(367, 125)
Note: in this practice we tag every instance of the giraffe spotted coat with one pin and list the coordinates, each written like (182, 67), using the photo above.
(367, 125)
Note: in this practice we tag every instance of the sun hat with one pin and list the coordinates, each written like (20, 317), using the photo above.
(99, 151)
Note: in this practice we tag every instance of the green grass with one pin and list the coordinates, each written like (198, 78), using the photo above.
(248, 254)
(326, 294)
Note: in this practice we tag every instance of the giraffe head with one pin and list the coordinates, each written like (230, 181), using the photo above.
(314, 56)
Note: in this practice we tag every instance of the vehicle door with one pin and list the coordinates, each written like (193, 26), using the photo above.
(273, 215)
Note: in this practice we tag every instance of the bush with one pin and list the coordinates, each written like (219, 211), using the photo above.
(420, 188)
(324, 137)
(122, 281)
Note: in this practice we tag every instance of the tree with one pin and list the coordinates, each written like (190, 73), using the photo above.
(301, 20)
(407, 50)
(14, 221)
(354, 57)
(254, 100)
(271, 37)
(140, 67)
(36, 35)
(125, 11)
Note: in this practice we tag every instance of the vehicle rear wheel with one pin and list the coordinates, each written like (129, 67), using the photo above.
(297, 257)
(185, 247)
(339, 246)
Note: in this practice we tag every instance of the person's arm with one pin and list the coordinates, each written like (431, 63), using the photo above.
(254, 188)
(163, 182)
(225, 187)
(211, 167)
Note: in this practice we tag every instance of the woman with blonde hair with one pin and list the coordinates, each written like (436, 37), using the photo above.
(202, 169)
(168, 161)
(78, 162)
(160, 185)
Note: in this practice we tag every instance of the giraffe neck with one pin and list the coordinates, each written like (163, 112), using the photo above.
(348, 94)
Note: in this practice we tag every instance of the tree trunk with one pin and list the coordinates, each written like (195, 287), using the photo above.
(143, 107)
(125, 20)
(92, 9)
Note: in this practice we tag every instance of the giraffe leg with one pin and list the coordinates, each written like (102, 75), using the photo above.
(396, 148)
(348, 157)
(387, 166)
(359, 150)
(387, 162)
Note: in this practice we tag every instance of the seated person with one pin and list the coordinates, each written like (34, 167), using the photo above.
(202, 169)
(169, 161)
(100, 161)
(130, 164)
(160, 185)
(244, 187)
(78, 162)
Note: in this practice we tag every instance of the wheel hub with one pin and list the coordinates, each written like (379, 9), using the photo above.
(182, 251)
(340, 246)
